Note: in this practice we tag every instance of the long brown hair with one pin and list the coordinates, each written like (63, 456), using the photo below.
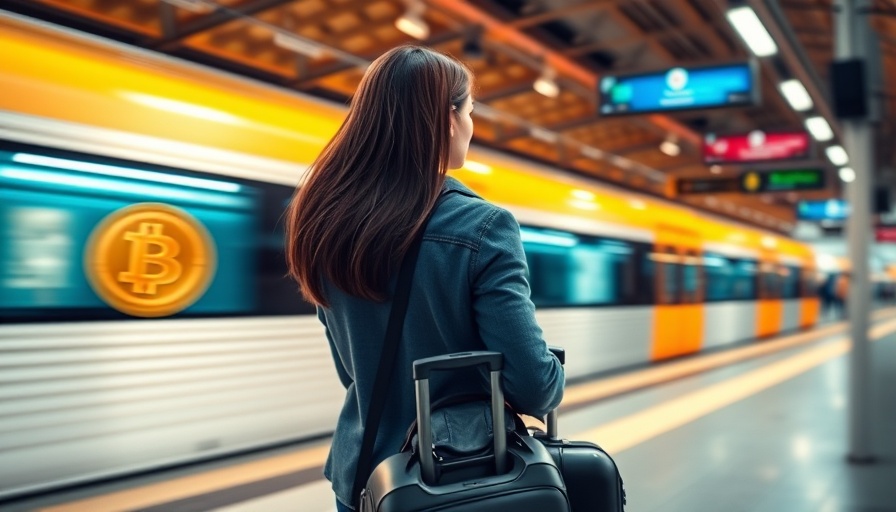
(372, 187)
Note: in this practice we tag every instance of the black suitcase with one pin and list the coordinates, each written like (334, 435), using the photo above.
(518, 475)
(593, 482)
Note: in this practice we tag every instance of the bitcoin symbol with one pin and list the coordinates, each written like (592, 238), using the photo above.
(150, 260)
(138, 275)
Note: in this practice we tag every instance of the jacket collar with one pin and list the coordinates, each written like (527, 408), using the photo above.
(452, 184)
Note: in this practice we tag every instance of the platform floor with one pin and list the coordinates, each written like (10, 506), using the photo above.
(760, 427)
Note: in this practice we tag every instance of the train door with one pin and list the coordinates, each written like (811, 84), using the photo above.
(678, 318)
(770, 306)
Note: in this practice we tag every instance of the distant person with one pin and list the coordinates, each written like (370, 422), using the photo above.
(841, 293)
(366, 196)
(826, 295)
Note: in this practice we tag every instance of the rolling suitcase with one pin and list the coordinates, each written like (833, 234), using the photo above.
(593, 482)
(517, 475)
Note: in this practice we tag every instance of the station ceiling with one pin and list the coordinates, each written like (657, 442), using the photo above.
(508, 44)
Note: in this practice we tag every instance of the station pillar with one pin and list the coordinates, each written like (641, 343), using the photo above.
(853, 40)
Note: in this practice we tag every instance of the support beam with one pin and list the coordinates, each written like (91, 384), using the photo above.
(504, 92)
(214, 19)
(556, 13)
(307, 79)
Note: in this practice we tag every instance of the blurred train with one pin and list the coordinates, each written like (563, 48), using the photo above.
(88, 127)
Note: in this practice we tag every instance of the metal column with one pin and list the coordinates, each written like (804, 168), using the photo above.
(852, 39)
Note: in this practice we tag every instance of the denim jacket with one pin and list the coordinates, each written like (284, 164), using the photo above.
(470, 292)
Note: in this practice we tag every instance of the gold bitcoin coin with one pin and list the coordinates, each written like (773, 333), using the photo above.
(150, 259)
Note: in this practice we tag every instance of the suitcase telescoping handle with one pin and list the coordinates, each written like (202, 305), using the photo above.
(422, 370)
(551, 421)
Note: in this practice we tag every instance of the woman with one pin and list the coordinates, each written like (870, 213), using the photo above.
(369, 192)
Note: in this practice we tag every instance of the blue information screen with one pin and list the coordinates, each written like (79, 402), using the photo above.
(679, 89)
(832, 209)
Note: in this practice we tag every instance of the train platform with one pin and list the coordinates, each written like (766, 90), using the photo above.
(758, 427)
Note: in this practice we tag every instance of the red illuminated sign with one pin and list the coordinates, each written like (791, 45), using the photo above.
(756, 146)
(885, 234)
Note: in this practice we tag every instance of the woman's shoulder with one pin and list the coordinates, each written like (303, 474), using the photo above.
(462, 212)
(457, 195)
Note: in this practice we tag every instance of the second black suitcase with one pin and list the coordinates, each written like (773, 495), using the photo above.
(593, 482)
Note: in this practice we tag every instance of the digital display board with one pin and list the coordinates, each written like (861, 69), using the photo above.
(756, 146)
(831, 209)
(784, 180)
(680, 88)
(707, 186)
(885, 234)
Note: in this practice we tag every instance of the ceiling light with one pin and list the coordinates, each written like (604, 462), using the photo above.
(752, 31)
(547, 83)
(412, 22)
(670, 147)
(198, 6)
(621, 162)
(847, 174)
(819, 128)
(837, 155)
(542, 134)
(591, 152)
(472, 47)
(796, 95)
(294, 44)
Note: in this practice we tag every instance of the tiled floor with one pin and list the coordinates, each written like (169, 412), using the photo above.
(782, 449)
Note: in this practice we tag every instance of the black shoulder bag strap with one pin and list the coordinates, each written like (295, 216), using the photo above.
(387, 363)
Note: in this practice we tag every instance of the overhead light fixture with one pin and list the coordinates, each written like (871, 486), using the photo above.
(752, 31)
(472, 47)
(412, 22)
(847, 174)
(819, 128)
(670, 147)
(547, 83)
(591, 152)
(796, 94)
(621, 162)
(542, 134)
(198, 6)
(837, 155)
(294, 44)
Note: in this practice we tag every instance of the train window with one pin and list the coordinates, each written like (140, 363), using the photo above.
(647, 275)
(567, 269)
(770, 281)
(53, 201)
(790, 282)
(729, 279)
(744, 287)
(691, 277)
